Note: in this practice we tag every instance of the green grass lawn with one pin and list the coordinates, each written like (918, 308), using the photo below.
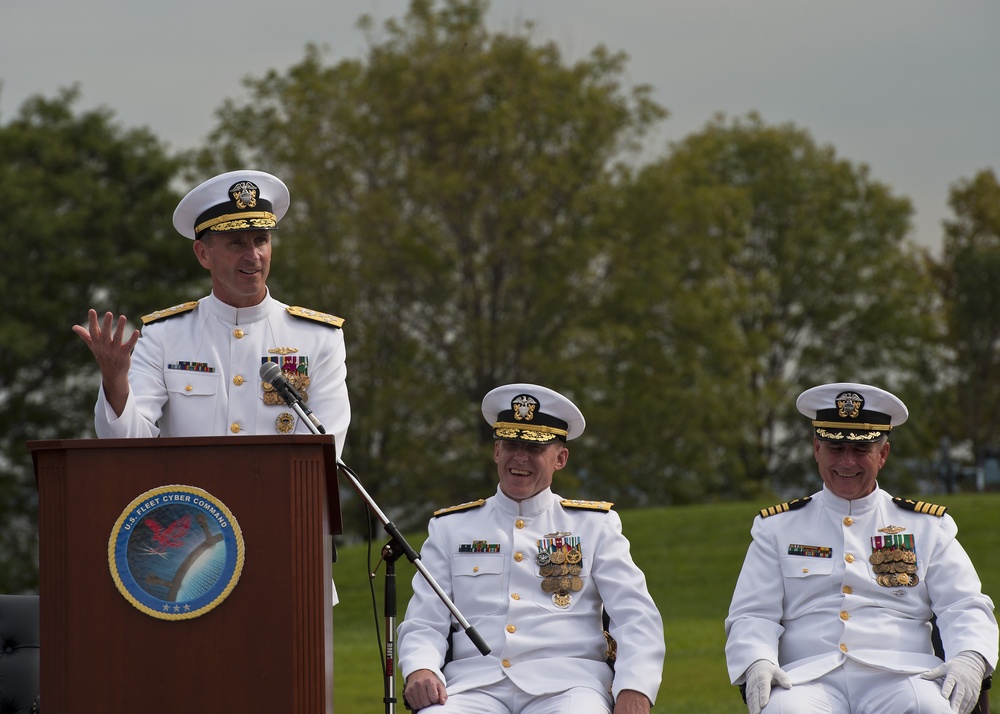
(691, 557)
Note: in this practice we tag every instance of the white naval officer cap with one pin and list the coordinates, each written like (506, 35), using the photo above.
(233, 201)
(530, 412)
(847, 411)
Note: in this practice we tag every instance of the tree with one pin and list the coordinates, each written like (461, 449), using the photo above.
(969, 275)
(87, 218)
(748, 264)
(442, 196)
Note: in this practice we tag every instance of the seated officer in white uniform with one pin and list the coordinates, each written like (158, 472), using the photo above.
(531, 572)
(195, 369)
(837, 591)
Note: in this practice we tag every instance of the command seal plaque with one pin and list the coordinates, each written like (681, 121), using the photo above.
(176, 552)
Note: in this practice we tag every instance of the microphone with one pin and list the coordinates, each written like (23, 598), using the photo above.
(271, 373)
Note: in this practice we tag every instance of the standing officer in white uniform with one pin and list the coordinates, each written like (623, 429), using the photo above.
(531, 572)
(837, 591)
(195, 369)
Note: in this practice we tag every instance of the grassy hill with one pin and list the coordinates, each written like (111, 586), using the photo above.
(691, 557)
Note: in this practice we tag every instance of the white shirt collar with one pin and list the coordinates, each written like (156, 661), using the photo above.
(239, 315)
(529, 506)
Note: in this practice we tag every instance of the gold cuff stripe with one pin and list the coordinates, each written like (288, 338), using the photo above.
(850, 425)
(530, 427)
(265, 215)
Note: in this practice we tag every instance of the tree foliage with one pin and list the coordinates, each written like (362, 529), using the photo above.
(87, 219)
(748, 264)
(442, 193)
(475, 207)
(969, 276)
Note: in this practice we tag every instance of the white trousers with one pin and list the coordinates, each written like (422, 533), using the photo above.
(504, 698)
(858, 689)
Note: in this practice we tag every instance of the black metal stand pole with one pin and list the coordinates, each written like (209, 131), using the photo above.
(390, 554)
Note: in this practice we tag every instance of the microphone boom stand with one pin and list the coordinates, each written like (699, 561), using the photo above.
(398, 546)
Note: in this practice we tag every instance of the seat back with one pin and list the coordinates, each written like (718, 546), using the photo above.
(19, 627)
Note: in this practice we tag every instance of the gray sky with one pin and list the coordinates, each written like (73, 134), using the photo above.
(909, 87)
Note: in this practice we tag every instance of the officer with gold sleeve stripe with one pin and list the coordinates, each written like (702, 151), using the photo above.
(532, 572)
(832, 609)
(195, 369)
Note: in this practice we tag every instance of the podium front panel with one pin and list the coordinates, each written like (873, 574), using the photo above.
(266, 647)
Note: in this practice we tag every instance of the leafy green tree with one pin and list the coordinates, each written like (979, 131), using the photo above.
(748, 264)
(87, 221)
(442, 198)
(969, 275)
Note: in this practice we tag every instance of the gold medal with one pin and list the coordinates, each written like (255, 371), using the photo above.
(284, 423)
(576, 584)
(574, 556)
(558, 557)
(877, 557)
(562, 599)
(903, 579)
(550, 585)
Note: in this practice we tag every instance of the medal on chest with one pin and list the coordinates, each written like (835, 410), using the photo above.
(295, 369)
(559, 562)
(894, 559)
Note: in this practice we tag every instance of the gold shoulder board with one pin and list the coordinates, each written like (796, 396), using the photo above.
(920, 506)
(785, 507)
(307, 314)
(169, 312)
(459, 507)
(588, 505)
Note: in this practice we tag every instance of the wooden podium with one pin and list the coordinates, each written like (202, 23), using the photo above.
(266, 645)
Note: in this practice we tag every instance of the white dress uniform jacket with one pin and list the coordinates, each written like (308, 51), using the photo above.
(541, 647)
(809, 612)
(198, 374)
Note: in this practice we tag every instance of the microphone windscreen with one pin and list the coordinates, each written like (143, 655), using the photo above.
(269, 371)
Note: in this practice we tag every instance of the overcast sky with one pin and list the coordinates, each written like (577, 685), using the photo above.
(909, 87)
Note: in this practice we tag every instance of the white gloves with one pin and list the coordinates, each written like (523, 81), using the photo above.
(760, 676)
(963, 678)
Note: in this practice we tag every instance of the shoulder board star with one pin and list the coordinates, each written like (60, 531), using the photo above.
(920, 506)
(588, 505)
(169, 312)
(306, 314)
(785, 507)
(460, 507)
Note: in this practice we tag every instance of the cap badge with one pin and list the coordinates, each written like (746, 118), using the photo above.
(244, 193)
(524, 407)
(849, 405)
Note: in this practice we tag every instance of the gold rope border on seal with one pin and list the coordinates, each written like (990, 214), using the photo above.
(237, 571)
